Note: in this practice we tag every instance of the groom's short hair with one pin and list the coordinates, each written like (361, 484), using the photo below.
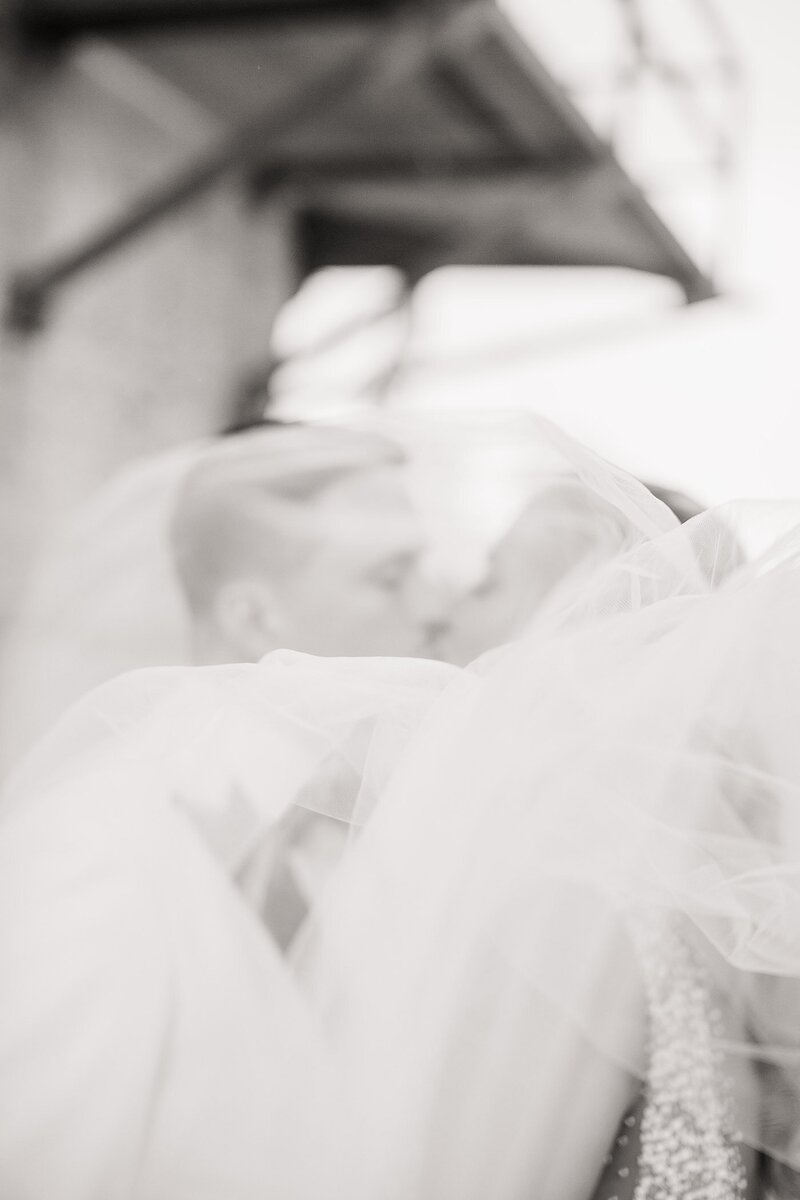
(248, 506)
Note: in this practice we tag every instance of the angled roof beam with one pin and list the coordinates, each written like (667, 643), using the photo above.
(55, 21)
(498, 87)
(32, 286)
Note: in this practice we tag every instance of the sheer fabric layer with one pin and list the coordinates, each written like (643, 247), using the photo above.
(472, 981)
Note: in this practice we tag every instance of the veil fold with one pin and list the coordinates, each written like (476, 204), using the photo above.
(106, 598)
(569, 872)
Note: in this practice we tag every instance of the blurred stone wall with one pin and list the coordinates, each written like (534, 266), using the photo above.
(144, 349)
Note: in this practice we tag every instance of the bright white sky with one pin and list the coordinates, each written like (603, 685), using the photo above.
(705, 398)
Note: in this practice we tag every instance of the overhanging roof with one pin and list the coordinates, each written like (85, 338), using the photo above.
(415, 134)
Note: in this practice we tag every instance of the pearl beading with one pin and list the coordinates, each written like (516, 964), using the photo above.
(689, 1150)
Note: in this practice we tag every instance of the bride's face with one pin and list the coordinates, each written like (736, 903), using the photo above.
(491, 613)
(539, 552)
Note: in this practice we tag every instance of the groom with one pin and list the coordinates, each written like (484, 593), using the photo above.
(151, 1044)
(302, 537)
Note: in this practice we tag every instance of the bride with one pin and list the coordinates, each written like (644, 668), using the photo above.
(558, 958)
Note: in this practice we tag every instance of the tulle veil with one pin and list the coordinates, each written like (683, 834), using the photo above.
(591, 825)
(104, 596)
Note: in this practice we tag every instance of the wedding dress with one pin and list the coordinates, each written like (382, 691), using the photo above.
(557, 954)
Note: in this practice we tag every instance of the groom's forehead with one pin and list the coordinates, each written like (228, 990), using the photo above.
(378, 489)
(368, 511)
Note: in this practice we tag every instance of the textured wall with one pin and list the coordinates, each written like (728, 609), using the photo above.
(141, 352)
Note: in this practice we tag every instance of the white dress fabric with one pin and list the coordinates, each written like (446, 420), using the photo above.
(571, 877)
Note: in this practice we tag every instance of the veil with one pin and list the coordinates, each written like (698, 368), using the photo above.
(106, 598)
(572, 870)
(103, 599)
(106, 595)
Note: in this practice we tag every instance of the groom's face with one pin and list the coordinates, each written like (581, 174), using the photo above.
(359, 591)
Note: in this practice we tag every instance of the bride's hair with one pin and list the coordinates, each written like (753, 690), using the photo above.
(564, 531)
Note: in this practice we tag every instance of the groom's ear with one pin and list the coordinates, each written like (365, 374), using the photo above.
(250, 619)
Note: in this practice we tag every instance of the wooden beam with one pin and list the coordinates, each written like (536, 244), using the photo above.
(56, 21)
(32, 286)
